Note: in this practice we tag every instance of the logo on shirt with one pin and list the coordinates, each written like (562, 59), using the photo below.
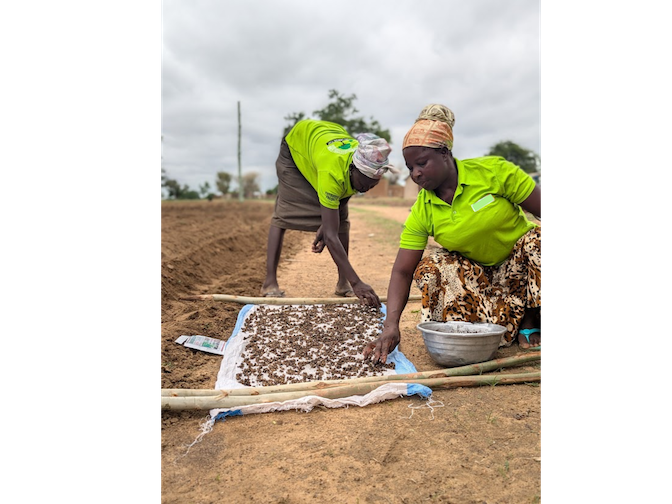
(342, 145)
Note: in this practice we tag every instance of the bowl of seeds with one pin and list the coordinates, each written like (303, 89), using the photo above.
(453, 344)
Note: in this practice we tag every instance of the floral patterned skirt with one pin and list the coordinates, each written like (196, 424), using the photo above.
(455, 288)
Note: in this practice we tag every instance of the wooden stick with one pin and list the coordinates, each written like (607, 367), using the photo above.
(224, 402)
(472, 369)
(283, 301)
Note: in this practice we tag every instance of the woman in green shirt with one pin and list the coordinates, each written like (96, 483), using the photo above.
(320, 166)
(489, 266)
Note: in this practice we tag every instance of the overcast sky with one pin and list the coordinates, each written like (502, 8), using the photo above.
(480, 58)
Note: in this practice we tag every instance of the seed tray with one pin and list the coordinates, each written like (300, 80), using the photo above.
(299, 343)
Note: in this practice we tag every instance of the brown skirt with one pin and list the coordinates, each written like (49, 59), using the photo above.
(297, 205)
(455, 288)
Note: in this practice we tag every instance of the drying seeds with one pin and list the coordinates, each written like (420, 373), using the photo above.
(300, 343)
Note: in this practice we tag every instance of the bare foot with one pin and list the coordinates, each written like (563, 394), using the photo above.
(344, 289)
(347, 293)
(272, 291)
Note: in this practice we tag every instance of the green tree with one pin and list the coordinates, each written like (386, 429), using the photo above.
(175, 190)
(173, 187)
(223, 182)
(341, 111)
(189, 193)
(528, 160)
(205, 191)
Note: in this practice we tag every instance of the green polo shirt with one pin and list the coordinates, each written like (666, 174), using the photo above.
(323, 151)
(485, 232)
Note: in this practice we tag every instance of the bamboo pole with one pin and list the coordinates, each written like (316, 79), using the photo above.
(225, 402)
(471, 369)
(282, 301)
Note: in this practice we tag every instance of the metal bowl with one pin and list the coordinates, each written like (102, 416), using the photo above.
(460, 343)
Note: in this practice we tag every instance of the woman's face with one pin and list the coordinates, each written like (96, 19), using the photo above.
(360, 182)
(428, 167)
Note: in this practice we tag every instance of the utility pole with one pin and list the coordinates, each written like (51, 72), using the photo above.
(240, 173)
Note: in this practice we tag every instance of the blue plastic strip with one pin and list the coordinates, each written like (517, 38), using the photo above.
(224, 414)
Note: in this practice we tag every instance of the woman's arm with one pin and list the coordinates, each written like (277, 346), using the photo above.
(533, 202)
(397, 297)
(330, 227)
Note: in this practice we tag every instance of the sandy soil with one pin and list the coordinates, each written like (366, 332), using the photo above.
(475, 446)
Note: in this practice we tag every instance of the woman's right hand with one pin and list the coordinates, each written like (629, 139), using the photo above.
(379, 349)
(318, 242)
(366, 294)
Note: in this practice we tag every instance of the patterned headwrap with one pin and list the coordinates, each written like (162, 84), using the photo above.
(370, 158)
(433, 128)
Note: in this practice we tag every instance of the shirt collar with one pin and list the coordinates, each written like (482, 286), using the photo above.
(463, 179)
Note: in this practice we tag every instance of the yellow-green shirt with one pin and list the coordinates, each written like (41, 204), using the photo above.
(486, 232)
(323, 151)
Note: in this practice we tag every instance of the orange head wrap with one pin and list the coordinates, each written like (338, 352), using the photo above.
(433, 128)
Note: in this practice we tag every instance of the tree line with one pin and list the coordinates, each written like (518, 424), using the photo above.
(340, 110)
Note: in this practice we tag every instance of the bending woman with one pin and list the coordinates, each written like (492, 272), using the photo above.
(320, 166)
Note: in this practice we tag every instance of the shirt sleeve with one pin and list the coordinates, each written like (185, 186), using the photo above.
(516, 184)
(329, 190)
(414, 236)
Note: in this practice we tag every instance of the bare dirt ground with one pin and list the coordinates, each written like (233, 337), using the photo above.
(477, 445)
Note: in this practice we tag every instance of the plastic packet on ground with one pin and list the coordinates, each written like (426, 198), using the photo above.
(203, 343)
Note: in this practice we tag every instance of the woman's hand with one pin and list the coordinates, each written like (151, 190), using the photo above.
(379, 349)
(366, 294)
(318, 242)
